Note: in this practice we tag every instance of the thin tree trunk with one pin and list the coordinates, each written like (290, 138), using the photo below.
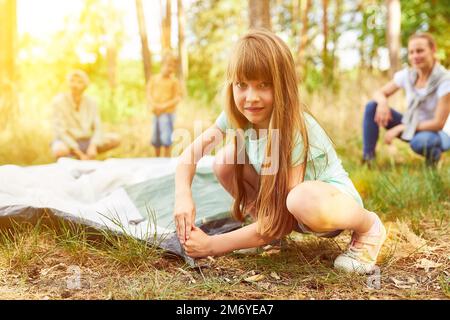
(8, 42)
(146, 55)
(371, 58)
(111, 57)
(296, 20)
(182, 50)
(393, 34)
(166, 26)
(335, 36)
(325, 59)
(259, 14)
(305, 7)
(111, 49)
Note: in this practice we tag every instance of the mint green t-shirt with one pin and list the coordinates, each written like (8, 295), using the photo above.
(323, 163)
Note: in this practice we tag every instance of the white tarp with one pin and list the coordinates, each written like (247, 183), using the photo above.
(93, 192)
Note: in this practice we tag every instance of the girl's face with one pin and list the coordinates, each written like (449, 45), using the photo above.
(254, 99)
(420, 54)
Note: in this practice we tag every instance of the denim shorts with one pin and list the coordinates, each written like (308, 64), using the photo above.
(162, 128)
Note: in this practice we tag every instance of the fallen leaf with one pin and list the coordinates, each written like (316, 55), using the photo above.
(404, 284)
(275, 276)
(264, 285)
(427, 264)
(270, 252)
(413, 239)
(255, 278)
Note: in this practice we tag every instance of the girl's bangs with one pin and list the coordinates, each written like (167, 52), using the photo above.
(250, 63)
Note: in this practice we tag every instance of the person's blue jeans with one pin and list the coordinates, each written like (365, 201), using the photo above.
(162, 130)
(426, 143)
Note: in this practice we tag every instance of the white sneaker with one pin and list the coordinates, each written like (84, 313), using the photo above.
(361, 256)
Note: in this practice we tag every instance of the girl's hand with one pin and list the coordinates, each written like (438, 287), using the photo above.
(199, 244)
(393, 133)
(184, 215)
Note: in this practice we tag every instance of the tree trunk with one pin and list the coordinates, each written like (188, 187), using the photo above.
(111, 48)
(182, 50)
(393, 34)
(335, 36)
(301, 61)
(259, 14)
(325, 41)
(296, 20)
(111, 57)
(146, 55)
(166, 34)
(8, 42)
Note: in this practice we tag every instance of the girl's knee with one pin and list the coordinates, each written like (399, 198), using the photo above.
(306, 203)
(221, 168)
(303, 201)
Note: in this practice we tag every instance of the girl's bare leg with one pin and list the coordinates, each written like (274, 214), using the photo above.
(322, 207)
(224, 170)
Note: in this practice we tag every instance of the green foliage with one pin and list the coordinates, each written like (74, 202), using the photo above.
(127, 99)
(215, 25)
(372, 30)
(428, 16)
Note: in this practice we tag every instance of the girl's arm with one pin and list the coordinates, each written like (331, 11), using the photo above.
(184, 211)
(440, 116)
(202, 245)
(383, 113)
(243, 238)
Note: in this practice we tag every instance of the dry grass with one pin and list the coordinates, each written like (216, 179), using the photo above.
(412, 267)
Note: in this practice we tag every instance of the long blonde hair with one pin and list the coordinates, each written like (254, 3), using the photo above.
(261, 55)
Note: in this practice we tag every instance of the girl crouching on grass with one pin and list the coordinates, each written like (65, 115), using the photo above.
(281, 167)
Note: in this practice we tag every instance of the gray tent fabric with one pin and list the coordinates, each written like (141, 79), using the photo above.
(132, 196)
